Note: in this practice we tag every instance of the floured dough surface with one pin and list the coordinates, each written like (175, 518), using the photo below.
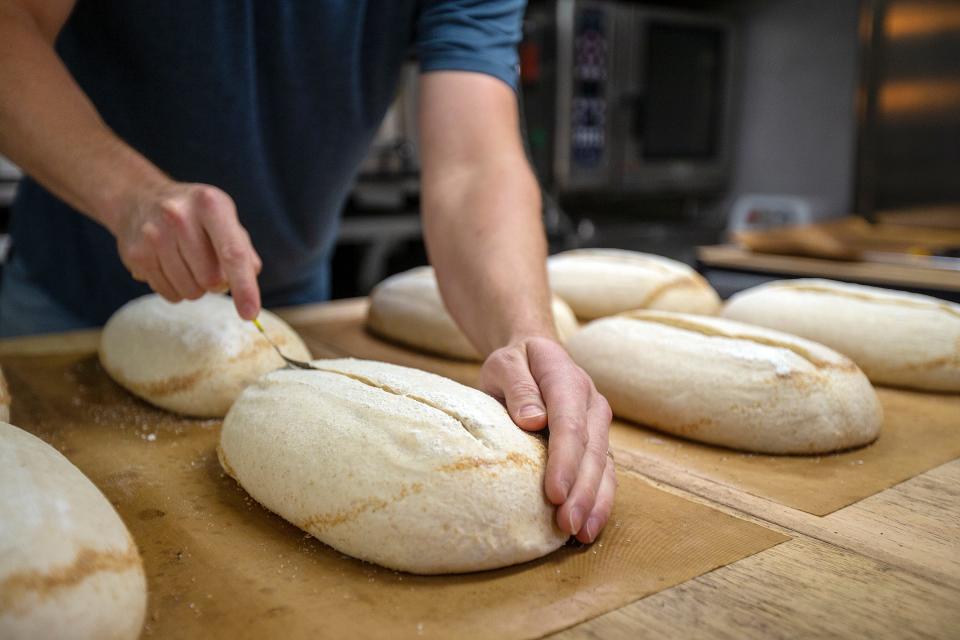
(604, 282)
(897, 338)
(393, 465)
(727, 383)
(68, 566)
(407, 308)
(192, 357)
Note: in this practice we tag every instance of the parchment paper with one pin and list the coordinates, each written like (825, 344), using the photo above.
(221, 566)
(920, 431)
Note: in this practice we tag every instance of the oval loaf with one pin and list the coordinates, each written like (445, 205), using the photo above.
(392, 465)
(68, 566)
(407, 308)
(897, 338)
(604, 282)
(193, 357)
(726, 383)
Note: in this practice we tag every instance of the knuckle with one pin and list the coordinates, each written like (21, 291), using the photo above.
(233, 253)
(522, 390)
(606, 412)
(151, 234)
(573, 427)
(174, 216)
(597, 449)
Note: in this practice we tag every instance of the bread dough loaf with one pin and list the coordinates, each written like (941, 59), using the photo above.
(604, 282)
(4, 399)
(392, 465)
(900, 339)
(68, 566)
(727, 383)
(193, 357)
(407, 308)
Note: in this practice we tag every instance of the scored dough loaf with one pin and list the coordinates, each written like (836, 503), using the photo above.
(605, 282)
(407, 308)
(68, 566)
(727, 383)
(392, 465)
(896, 338)
(192, 357)
(4, 399)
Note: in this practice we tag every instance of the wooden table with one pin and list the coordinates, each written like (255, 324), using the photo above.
(888, 566)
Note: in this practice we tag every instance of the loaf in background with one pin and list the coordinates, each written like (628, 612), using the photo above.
(604, 282)
(407, 308)
(192, 357)
(726, 383)
(896, 338)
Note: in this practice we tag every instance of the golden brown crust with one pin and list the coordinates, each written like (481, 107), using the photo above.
(42, 585)
(4, 391)
(324, 521)
(513, 459)
(681, 282)
(165, 387)
(225, 464)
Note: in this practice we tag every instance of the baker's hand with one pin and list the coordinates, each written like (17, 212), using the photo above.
(185, 239)
(541, 385)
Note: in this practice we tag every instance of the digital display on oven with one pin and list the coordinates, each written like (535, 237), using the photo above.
(682, 111)
(588, 106)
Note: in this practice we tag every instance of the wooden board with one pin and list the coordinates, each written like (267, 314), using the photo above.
(801, 589)
(884, 567)
(882, 275)
(220, 566)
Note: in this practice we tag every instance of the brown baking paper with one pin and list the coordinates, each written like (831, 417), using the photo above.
(920, 431)
(221, 566)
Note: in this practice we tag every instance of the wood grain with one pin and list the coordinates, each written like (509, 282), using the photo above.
(800, 589)
(731, 257)
(887, 566)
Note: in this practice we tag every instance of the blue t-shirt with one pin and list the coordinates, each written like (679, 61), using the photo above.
(273, 101)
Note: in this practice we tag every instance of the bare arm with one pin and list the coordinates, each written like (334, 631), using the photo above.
(482, 225)
(180, 238)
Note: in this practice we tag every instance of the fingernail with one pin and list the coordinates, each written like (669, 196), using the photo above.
(576, 518)
(591, 529)
(530, 411)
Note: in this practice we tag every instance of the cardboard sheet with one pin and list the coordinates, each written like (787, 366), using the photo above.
(220, 566)
(920, 431)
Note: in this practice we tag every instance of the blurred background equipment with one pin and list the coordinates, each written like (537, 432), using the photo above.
(821, 135)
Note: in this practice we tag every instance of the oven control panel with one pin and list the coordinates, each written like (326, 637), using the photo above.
(588, 106)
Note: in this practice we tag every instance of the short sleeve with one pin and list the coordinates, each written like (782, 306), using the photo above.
(471, 35)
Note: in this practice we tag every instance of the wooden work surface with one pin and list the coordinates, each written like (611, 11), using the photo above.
(890, 275)
(887, 566)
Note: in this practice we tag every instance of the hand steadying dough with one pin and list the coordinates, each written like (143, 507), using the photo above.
(540, 384)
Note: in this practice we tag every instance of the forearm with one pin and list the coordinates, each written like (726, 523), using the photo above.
(485, 237)
(52, 130)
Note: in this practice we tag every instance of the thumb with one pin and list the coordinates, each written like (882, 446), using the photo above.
(509, 377)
